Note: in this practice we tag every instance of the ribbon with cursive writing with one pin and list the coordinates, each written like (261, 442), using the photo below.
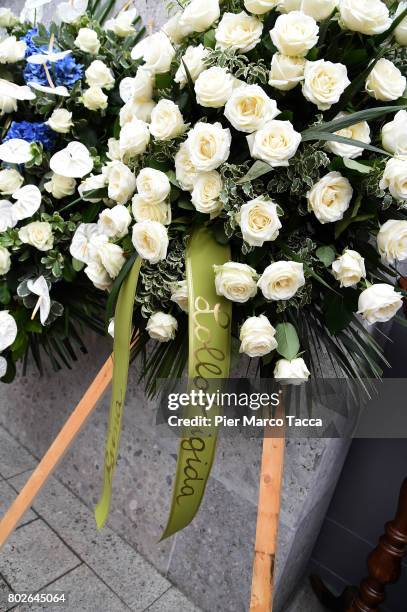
(121, 357)
(209, 359)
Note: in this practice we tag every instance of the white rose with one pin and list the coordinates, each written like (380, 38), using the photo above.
(153, 185)
(394, 134)
(179, 295)
(392, 241)
(358, 131)
(136, 109)
(167, 121)
(12, 50)
(140, 87)
(235, 281)
(134, 138)
(7, 18)
(257, 337)
(10, 181)
(122, 25)
(38, 234)
(148, 211)
(193, 59)
(60, 121)
(319, 9)
(349, 268)
(385, 82)
(259, 7)
(286, 71)
(324, 83)
(185, 171)
(175, 29)
(113, 149)
(7, 105)
(295, 33)
(281, 280)
(401, 31)
(208, 145)
(286, 6)
(120, 180)
(157, 52)
(238, 31)
(199, 15)
(294, 370)
(379, 303)
(206, 192)
(365, 16)
(60, 186)
(330, 197)
(97, 273)
(214, 87)
(275, 143)
(8, 329)
(94, 99)
(249, 108)
(104, 252)
(162, 326)
(150, 239)
(114, 222)
(5, 261)
(87, 41)
(259, 221)
(92, 183)
(395, 178)
(80, 246)
(99, 75)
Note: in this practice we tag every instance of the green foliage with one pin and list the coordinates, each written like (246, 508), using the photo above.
(305, 169)
(288, 341)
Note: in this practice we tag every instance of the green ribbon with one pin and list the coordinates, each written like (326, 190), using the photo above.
(121, 358)
(209, 359)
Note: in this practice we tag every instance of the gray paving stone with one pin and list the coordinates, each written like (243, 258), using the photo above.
(7, 496)
(34, 556)
(13, 458)
(172, 601)
(4, 593)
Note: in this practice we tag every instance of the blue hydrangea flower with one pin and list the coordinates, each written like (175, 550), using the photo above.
(32, 131)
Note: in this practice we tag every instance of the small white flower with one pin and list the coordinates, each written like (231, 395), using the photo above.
(286, 71)
(120, 180)
(12, 50)
(10, 181)
(379, 303)
(257, 337)
(394, 134)
(123, 24)
(150, 239)
(87, 41)
(293, 372)
(5, 261)
(193, 59)
(236, 281)
(80, 244)
(330, 197)
(324, 83)
(275, 143)
(206, 193)
(349, 268)
(395, 178)
(248, 108)
(16, 151)
(214, 87)
(199, 15)
(114, 222)
(238, 31)
(208, 145)
(259, 221)
(99, 75)
(157, 52)
(38, 234)
(73, 161)
(281, 280)
(153, 185)
(70, 11)
(392, 240)
(60, 121)
(295, 33)
(8, 329)
(385, 82)
(28, 201)
(365, 16)
(162, 326)
(167, 121)
(60, 186)
(40, 287)
(179, 295)
(134, 138)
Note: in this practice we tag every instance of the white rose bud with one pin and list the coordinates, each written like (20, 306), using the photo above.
(199, 15)
(259, 221)
(179, 295)
(87, 41)
(238, 31)
(330, 197)
(185, 171)
(133, 139)
(150, 239)
(60, 121)
(99, 75)
(114, 222)
(275, 143)
(7, 18)
(206, 192)
(122, 25)
(167, 121)
(193, 59)
(257, 337)
(365, 16)
(281, 280)
(153, 185)
(235, 281)
(120, 180)
(136, 109)
(294, 371)
(10, 181)
(259, 7)
(395, 178)
(208, 145)
(97, 273)
(92, 183)
(176, 30)
(60, 186)
(12, 50)
(349, 268)
(400, 32)
(249, 108)
(157, 52)
(392, 241)
(358, 131)
(94, 99)
(295, 33)
(162, 327)
(38, 234)
(324, 83)
(385, 82)
(109, 255)
(214, 87)
(286, 71)
(379, 303)
(147, 211)
(319, 9)
(394, 134)
(5, 261)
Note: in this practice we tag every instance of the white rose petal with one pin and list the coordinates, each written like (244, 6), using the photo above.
(236, 281)
(106, 253)
(185, 171)
(324, 83)
(167, 121)
(395, 178)
(238, 31)
(379, 303)
(134, 138)
(179, 295)
(12, 50)
(392, 241)
(286, 72)
(96, 272)
(275, 143)
(140, 87)
(385, 82)
(99, 75)
(248, 108)
(156, 51)
(175, 29)
(330, 197)
(80, 244)
(87, 41)
(162, 327)
(259, 221)
(358, 131)
(92, 183)
(16, 151)
(148, 211)
(295, 33)
(394, 134)
(349, 268)
(281, 280)
(365, 16)
(259, 7)
(257, 337)
(74, 161)
(214, 87)
(60, 121)
(94, 98)
(114, 222)
(208, 146)
(136, 109)
(153, 185)
(10, 181)
(199, 15)
(400, 32)
(113, 152)
(150, 239)
(123, 24)
(193, 59)
(319, 9)
(121, 181)
(5, 261)
(7, 18)
(28, 201)
(8, 329)
(206, 193)
(38, 234)
(295, 371)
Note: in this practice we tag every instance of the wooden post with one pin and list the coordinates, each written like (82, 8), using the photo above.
(268, 515)
(56, 451)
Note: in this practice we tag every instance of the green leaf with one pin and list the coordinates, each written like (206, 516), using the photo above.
(288, 342)
(328, 136)
(209, 39)
(339, 311)
(258, 169)
(77, 265)
(352, 119)
(172, 178)
(351, 164)
(163, 81)
(342, 225)
(326, 254)
(114, 292)
(185, 204)
(5, 295)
